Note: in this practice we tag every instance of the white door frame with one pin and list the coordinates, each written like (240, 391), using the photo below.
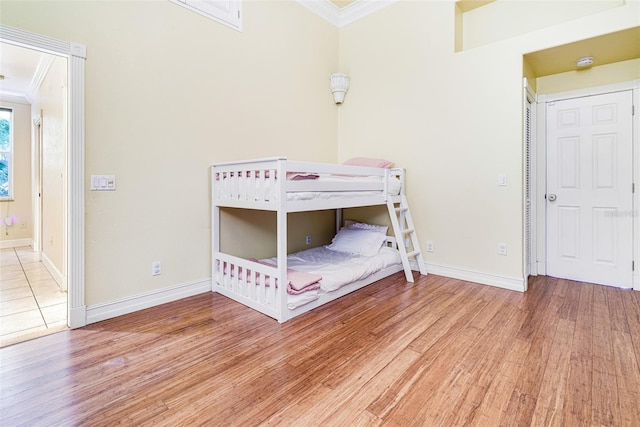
(541, 169)
(36, 181)
(76, 54)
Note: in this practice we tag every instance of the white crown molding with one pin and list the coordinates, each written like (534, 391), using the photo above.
(15, 97)
(341, 17)
(323, 8)
(38, 77)
(360, 9)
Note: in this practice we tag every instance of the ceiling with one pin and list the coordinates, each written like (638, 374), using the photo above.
(606, 49)
(19, 67)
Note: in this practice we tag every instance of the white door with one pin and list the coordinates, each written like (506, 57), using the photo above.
(589, 189)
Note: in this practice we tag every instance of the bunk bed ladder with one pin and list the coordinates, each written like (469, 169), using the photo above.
(406, 235)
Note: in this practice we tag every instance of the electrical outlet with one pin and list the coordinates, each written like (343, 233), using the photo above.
(502, 248)
(156, 268)
(429, 246)
(307, 240)
(502, 180)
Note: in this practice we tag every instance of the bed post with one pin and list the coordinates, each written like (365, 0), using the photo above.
(215, 228)
(283, 314)
(338, 219)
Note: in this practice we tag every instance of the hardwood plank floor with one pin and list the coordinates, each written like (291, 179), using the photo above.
(437, 352)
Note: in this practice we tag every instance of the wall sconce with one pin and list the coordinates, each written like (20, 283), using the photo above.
(339, 86)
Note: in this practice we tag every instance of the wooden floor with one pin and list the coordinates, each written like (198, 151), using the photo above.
(437, 352)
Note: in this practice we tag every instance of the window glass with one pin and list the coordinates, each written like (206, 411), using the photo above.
(6, 148)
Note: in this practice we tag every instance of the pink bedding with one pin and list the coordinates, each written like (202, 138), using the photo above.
(297, 281)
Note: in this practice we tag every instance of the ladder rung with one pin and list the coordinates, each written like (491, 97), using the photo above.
(402, 209)
(408, 230)
(412, 254)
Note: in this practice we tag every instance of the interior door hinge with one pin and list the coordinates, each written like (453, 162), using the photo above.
(633, 266)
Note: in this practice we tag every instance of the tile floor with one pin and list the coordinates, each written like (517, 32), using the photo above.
(31, 302)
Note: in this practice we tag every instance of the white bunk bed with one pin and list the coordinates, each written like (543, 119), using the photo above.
(257, 184)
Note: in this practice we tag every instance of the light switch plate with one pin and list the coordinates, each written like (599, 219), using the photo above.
(103, 182)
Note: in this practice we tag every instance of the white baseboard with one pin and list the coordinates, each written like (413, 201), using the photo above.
(53, 270)
(98, 312)
(511, 283)
(15, 243)
(542, 268)
(77, 317)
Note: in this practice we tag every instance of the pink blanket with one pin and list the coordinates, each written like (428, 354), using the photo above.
(297, 281)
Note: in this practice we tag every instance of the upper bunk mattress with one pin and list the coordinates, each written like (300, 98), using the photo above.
(341, 188)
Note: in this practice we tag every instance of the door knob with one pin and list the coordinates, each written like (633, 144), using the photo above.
(552, 197)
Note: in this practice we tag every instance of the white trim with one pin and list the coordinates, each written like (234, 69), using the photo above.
(528, 264)
(14, 97)
(231, 18)
(635, 99)
(351, 13)
(324, 9)
(76, 54)
(53, 270)
(15, 243)
(109, 310)
(511, 283)
(38, 77)
(361, 9)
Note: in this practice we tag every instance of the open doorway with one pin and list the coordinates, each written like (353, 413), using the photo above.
(76, 56)
(34, 242)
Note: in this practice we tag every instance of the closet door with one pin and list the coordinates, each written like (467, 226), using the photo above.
(590, 190)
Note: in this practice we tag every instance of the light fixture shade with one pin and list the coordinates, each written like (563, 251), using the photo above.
(339, 86)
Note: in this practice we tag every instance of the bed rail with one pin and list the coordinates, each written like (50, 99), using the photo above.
(249, 282)
(255, 185)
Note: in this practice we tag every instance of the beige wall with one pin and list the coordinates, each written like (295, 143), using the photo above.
(51, 104)
(453, 120)
(20, 207)
(505, 19)
(619, 72)
(167, 93)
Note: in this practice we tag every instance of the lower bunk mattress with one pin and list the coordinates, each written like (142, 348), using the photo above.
(335, 269)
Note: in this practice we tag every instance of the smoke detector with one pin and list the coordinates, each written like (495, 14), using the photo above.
(584, 62)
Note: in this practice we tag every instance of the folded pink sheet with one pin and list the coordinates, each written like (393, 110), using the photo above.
(298, 176)
(297, 281)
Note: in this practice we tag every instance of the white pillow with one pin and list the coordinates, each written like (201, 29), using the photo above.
(362, 226)
(357, 241)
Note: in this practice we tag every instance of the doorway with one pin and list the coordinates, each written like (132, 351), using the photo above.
(74, 219)
(33, 280)
(589, 194)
